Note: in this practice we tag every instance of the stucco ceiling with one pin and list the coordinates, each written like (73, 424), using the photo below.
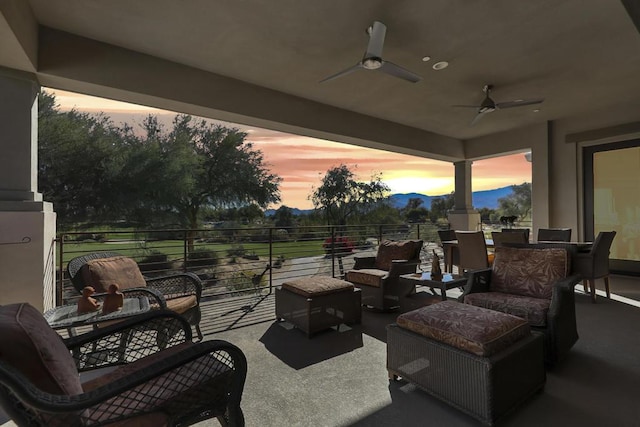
(579, 55)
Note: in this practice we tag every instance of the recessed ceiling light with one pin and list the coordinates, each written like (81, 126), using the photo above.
(426, 58)
(440, 65)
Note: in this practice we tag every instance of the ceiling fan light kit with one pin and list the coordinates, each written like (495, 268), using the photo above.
(372, 60)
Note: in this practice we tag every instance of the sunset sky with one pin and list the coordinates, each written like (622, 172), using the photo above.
(301, 161)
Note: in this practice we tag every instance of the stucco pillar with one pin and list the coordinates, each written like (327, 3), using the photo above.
(463, 216)
(27, 224)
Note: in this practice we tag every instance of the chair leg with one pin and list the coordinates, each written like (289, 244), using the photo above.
(199, 332)
(585, 286)
(592, 285)
(606, 286)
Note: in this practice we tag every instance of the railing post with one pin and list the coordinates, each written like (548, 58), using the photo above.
(270, 260)
(60, 285)
(184, 251)
(332, 249)
(379, 234)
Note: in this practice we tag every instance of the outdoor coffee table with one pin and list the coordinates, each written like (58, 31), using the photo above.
(448, 281)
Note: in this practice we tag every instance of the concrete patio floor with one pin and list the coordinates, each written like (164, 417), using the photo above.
(339, 377)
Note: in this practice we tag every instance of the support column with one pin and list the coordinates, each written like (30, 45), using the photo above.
(463, 216)
(27, 224)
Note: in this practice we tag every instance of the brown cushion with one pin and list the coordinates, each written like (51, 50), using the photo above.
(121, 270)
(533, 310)
(474, 329)
(389, 251)
(529, 271)
(181, 304)
(367, 276)
(36, 350)
(316, 286)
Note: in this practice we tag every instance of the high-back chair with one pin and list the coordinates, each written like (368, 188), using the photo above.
(179, 292)
(378, 277)
(554, 235)
(450, 251)
(594, 264)
(473, 251)
(533, 283)
(180, 383)
(518, 230)
(500, 238)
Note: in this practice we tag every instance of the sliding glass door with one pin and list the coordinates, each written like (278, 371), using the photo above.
(612, 199)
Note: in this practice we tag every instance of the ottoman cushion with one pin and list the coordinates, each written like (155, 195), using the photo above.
(474, 329)
(317, 286)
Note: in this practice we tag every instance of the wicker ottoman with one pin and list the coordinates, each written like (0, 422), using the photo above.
(482, 362)
(317, 303)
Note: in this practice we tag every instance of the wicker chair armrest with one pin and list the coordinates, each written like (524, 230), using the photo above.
(478, 281)
(131, 391)
(562, 294)
(129, 336)
(176, 285)
(364, 262)
(402, 266)
(153, 295)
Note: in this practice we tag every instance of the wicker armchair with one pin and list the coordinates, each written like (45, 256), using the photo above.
(185, 383)
(378, 276)
(177, 292)
(532, 283)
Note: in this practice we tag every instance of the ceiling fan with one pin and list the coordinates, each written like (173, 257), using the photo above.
(372, 59)
(488, 105)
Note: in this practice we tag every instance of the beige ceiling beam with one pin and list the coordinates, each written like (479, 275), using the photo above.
(18, 36)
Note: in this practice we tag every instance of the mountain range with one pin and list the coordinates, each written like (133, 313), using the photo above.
(480, 199)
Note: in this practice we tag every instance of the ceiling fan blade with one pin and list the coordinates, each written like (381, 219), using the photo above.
(467, 106)
(398, 71)
(518, 103)
(477, 118)
(376, 40)
(342, 73)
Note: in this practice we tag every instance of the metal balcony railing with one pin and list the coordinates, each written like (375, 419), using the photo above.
(236, 261)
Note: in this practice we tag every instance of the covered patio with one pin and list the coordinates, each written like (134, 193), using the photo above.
(261, 64)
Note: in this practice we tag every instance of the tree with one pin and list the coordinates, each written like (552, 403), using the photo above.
(440, 206)
(414, 212)
(201, 164)
(283, 217)
(517, 203)
(79, 157)
(341, 197)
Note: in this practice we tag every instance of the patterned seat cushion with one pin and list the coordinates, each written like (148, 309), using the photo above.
(529, 271)
(317, 286)
(533, 310)
(367, 276)
(474, 329)
(389, 251)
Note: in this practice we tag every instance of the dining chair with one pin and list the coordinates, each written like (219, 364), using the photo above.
(554, 235)
(501, 238)
(517, 230)
(594, 264)
(472, 248)
(451, 255)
